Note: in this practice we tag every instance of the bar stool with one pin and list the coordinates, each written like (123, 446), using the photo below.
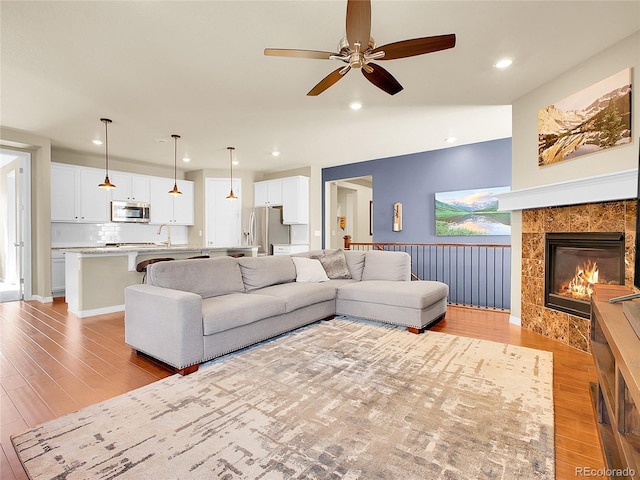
(142, 266)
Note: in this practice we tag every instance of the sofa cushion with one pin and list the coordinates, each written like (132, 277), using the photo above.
(419, 294)
(298, 295)
(383, 265)
(260, 272)
(309, 270)
(355, 262)
(334, 263)
(207, 277)
(237, 309)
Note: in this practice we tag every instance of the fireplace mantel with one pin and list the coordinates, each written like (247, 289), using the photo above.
(620, 185)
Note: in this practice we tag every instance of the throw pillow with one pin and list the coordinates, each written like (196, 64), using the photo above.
(335, 264)
(309, 270)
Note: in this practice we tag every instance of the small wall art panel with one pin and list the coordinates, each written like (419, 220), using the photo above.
(591, 120)
(471, 212)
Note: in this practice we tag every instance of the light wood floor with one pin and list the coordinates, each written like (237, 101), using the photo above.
(53, 363)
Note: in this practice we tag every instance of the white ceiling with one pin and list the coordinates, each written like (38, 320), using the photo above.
(197, 69)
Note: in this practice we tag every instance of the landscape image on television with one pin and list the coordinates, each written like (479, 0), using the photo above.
(471, 212)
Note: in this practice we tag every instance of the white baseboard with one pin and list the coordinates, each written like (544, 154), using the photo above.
(515, 320)
(97, 311)
(40, 299)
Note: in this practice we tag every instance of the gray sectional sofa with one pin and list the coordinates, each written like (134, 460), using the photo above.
(190, 311)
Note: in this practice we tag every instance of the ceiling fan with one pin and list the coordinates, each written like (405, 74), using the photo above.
(358, 50)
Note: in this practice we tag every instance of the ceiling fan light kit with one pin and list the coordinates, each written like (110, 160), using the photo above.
(358, 28)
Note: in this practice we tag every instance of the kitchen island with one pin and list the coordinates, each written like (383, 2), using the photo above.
(95, 277)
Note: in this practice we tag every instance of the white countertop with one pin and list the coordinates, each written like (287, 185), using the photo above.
(126, 249)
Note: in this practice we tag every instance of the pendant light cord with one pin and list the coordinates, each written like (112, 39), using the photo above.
(175, 190)
(107, 183)
(175, 159)
(106, 147)
(231, 195)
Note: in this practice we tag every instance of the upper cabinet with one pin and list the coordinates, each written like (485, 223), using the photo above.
(267, 193)
(65, 202)
(94, 201)
(131, 187)
(171, 209)
(75, 196)
(295, 200)
(290, 192)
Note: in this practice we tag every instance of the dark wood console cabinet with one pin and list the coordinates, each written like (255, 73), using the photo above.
(616, 353)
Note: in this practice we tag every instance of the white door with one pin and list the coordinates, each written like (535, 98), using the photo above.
(15, 225)
(223, 222)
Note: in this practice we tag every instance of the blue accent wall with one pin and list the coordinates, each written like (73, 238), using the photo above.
(414, 179)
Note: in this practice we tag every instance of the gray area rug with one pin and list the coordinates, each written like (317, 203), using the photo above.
(340, 399)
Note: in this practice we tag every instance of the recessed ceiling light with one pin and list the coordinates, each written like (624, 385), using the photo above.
(504, 63)
(186, 159)
(450, 139)
(97, 142)
(355, 105)
(236, 162)
(275, 153)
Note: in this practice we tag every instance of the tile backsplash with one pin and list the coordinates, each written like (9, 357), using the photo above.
(95, 235)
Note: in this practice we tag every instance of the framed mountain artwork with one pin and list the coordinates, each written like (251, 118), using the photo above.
(589, 121)
(471, 212)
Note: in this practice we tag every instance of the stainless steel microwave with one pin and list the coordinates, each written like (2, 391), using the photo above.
(133, 212)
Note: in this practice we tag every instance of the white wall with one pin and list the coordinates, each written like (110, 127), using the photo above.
(525, 170)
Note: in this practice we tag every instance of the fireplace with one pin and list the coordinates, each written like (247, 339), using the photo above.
(574, 262)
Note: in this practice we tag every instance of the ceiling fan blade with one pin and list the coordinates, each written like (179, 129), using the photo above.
(358, 23)
(382, 79)
(329, 80)
(416, 46)
(291, 52)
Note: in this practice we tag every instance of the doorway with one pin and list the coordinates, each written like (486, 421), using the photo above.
(15, 225)
(348, 211)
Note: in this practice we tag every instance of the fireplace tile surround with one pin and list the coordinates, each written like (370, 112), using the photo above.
(612, 216)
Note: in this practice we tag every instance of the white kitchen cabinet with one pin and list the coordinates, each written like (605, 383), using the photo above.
(295, 200)
(94, 201)
(65, 198)
(57, 274)
(171, 209)
(75, 195)
(130, 187)
(223, 220)
(183, 204)
(267, 193)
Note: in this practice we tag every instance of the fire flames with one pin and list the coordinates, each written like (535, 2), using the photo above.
(581, 285)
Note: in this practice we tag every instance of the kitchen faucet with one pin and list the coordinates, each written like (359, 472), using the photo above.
(168, 242)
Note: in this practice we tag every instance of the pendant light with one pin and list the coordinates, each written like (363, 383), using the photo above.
(107, 185)
(175, 190)
(231, 196)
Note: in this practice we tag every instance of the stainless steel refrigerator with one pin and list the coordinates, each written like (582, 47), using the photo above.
(266, 229)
